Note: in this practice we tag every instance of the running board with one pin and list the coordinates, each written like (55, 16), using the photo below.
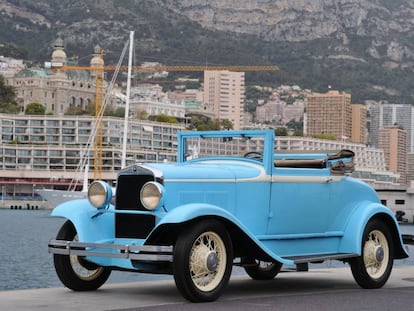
(319, 258)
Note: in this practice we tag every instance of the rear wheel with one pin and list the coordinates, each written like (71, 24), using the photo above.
(203, 260)
(373, 268)
(263, 270)
(74, 271)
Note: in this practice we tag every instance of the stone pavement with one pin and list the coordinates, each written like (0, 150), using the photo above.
(318, 289)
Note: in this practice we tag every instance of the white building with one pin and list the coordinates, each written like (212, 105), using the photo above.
(153, 101)
(45, 151)
(10, 66)
(224, 95)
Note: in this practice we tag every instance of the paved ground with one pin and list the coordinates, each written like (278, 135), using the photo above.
(318, 289)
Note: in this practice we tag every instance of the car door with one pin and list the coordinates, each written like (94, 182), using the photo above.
(300, 202)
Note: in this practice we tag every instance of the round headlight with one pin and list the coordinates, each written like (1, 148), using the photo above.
(151, 195)
(99, 194)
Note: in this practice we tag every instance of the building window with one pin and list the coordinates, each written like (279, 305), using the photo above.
(384, 202)
(399, 202)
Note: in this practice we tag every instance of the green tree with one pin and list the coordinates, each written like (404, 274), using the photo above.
(298, 133)
(35, 109)
(90, 109)
(7, 98)
(202, 123)
(326, 136)
(142, 115)
(226, 124)
(166, 119)
(74, 111)
(119, 112)
(253, 95)
(295, 125)
(281, 131)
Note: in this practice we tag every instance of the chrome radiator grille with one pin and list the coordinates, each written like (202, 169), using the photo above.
(127, 199)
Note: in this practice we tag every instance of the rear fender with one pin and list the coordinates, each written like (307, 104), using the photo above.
(189, 212)
(352, 239)
(91, 224)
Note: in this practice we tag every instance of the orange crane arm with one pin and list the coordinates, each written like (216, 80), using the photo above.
(171, 68)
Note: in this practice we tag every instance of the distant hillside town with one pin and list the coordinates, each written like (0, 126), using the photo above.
(52, 141)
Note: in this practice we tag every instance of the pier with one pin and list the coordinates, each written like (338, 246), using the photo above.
(24, 205)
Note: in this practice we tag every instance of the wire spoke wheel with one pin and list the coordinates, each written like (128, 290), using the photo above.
(376, 254)
(203, 259)
(373, 268)
(207, 261)
(263, 270)
(74, 271)
(84, 270)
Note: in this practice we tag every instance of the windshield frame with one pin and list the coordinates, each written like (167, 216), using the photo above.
(267, 136)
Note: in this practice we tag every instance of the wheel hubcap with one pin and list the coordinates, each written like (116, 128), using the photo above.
(379, 253)
(205, 259)
(211, 261)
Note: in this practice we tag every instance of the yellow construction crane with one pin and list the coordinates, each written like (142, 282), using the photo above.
(171, 68)
(100, 91)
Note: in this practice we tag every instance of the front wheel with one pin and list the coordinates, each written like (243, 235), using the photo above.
(373, 268)
(74, 271)
(263, 271)
(203, 258)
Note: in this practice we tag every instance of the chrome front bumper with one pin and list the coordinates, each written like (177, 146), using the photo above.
(140, 253)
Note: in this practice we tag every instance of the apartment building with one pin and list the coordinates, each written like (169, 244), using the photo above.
(393, 140)
(46, 151)
(359, 133)
(224, 95)
(384, 115)
(271, 112)
(329, 113)
(410, 167)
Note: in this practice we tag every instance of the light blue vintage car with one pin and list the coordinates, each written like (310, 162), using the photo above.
(230, 199)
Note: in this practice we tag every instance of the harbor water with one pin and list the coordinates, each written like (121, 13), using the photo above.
(24, 258)
(25, 261)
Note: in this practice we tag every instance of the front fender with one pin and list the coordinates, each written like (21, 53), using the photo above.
(188, 212)
(353, 234)
(191, 211)
(91, 225)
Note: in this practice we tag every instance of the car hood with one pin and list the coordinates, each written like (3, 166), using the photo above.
(219, 170)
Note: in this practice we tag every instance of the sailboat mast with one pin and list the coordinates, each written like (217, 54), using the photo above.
(128, 95)
(85, 178)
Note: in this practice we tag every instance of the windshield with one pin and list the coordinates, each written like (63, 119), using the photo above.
(231, 145)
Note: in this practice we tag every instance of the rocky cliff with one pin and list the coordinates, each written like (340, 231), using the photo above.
(387, 26)
(362, 46)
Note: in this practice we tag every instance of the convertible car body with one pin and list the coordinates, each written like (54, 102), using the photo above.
(230, 199)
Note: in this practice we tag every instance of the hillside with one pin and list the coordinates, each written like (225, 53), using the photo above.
(365, 47)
